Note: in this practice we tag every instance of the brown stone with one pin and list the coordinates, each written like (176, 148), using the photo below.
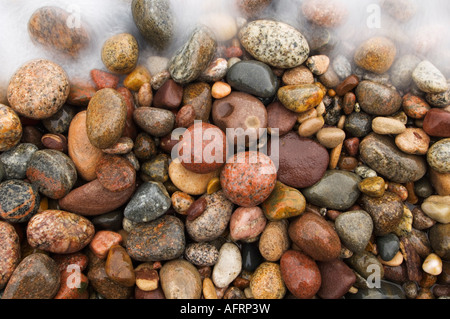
(347, 85)
(437, 123)
(115, 173)
(337, 279)
(376, 55)
(199, 96)
(170, 95)
(119, 266)
(280, 118)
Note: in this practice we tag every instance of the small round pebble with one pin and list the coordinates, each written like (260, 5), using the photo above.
(120, 53)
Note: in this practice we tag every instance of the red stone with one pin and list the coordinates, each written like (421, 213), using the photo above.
(348, 104)
(300, 274)
(233, 52)
(185, 117)
(80, 93)
(337, 279)
(79, 259)
(279, 117)
(103, 241)
(415, 107)
(115, 173)
(104, 80)
(347, 85)
(170, 95)
(73, 291)
(351, 146)
(437, 123)
(168, 143)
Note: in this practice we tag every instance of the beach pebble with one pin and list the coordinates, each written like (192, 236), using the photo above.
(274, 240)
(378, 99)
(247, 223)
(9, 252)
(376, 55)
(437, 123)
(228, 265)
(330, 137)
(438, 208)
(438, 156)
(267, 282)
(19, 201)
(180, 280)
(15, 161)
(336, 279)
(432, 265)
(429, 79)
(120, 53)
(201, 254)
(387, 126)
(283, 203)
(10, 128)
(413, 141)
(354, 229)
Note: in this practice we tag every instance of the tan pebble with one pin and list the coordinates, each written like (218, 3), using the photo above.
(303, 117)
(145, 95)
(248, 293)
(396, 261)
(373, 186)
(318, 64)
(320, 109)
(335, 155)
(330, 137)
(209, 290)
(400, 116)
(213, 186)
(181, 202)
(147, 278)
(413, 141)
(437, 208)
(432, 265)
(298, 75)
(220, 90)
(311, 127)
(405, 226)
(341, 123)
(441, 182)
(386, 126)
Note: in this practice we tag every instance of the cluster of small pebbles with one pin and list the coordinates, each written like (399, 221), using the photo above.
(359, 188)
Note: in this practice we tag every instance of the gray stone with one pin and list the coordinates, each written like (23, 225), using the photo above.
(429, 79)
(438, 156)
(365, 263)
(388, 290)
(402, 70)
(354, 229)
(15, 161)
(358, 124)
(388, 246)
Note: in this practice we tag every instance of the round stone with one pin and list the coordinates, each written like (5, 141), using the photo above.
(201, 254)
(115, 173)
(413, 141)
(119, 267)
(154, 121)
(280, 120)
(437, 123)
(180, 280)
(198, 94)
(354, 229)
(438, 156)
(120, 53)
(284, 202)
(274, 240)
(378, 99)
(267, 282)
(300, 98)
(437, 208)
(10, 128)
(373, 186)
(38, 89)
(19, 201)
(376, 55)
(247, 223)
(402, 69)
(358, 124)
(248, 178)
(330, 137)
(440, 240)
(429, 79)
(52, 172)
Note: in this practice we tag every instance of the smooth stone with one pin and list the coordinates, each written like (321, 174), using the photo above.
(440, 240)
(169, 96)
(423, 187)
(59, 232)
(382, 155)
(420, 220)
(137, 78)
(81, 91)
(300, 98)
(373, 186)
(437, 123)
(279, 119)
(327, 14)
(437, 208)
(252, 77)
(36, 277)
(223, 25)
(387, 291)
(19, 201)
(228, 265)
(38, 89)
(104, 131)
(187, 181)
(386, 212)
(376, 55)
(198, 95)
(299, 75)
(342, 66)
(120, 53)
(193, 57)
(144, 147)
(337, 279)
(157, 168)
(155, 21)
(432, 265)
(105, 286)
(354, 229)
(251, 257)
(103, 241)
(318, 64)
(300, 274)
(60, 122)
(53, 172)
(441, 183)
(115, 173)
(92, 199)
(365, 264)
(84, 155)
(302, 161)
(358, 124)
(378, 99)
(439, 99)
(402, 70)
(15, 161)
(110, 221)
(252, 8)
(150, 202)
(201, 254)
(388, 246)
(103, 79)
(420, 241)
(387, 126)
(415, 107)
(274, 240)
(247, 223)
(267, 282)
(119, 267)
(284, 202)
(161, 239)
(438, 156)
(10, 128)
(213, 221)
(154, 121)
(336, 190)
(429, 79)
(413, 141)
(180, 280)
(315, 237)
(330, 137)
(10, 253)
(274, 43)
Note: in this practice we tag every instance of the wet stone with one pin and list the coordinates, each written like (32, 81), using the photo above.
(439, 239)
(388, 290)
(337, 279)
(284, 202)
(274, 240)
(378, 99)
(388, 246)
(60, 122)
(251, 257)
(201, 254)
(119, 267)
(363, 262)
(376, 55)
(109, 221)
(402, 69)
(154, 121)
(157, 168)
(115, 173)
(437, 123)
(105, 286)
(15, 161)
(358, 124)
(300, 98)
(280, 119)
(19, 201)
(267, 282)
(354, 229)
(228, 266)
(9, 252)
(198, 95)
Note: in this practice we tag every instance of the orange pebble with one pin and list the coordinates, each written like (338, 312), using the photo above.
(220, 90)
(103, 241)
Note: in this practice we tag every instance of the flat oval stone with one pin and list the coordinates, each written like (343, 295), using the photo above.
(59, 232)
(84, 155)
(228, 266)
(92, 199)
(388, 246)
(105, 286)
(315, 237)
(150, 202)
(302, 161)
(10, 128)
(378, 99)
(248, 179)
(274, 43)
(386, 212)
(161, 239)
(15, 161)
(267, 282)
(382, 155)
(376, 55)
(49, 27)
(180, 280)
(120, 53)
(274, 240)
(438, 156)
(300, 98)
(9, 252)
(437, 123)
(53, 172)
(19, 201)
(283, 203)
(104, 131)
(429, 79)
(301, 274)
(154, 121)
(201, 254)
(213, 221)
(252, 77)
(38, 89)
(36, 277)
(354, 229)
(193, 58)
(336, 190)
(279, 119)
(337, 279)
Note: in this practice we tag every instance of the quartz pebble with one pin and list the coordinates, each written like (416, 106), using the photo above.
(228, 266)
(432, 265)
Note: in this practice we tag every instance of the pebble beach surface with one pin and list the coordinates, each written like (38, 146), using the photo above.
(134, 178)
